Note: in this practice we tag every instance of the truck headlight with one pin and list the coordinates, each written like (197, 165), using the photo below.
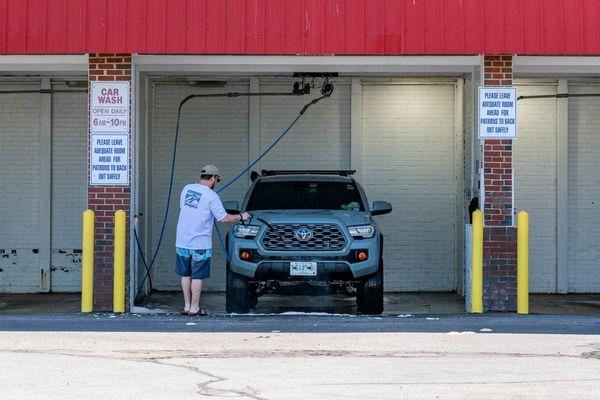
(361, 231)
(244, 231)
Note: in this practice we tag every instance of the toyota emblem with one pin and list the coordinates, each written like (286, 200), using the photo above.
(303, 234)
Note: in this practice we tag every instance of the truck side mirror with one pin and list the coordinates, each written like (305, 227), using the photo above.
(381, 207)
(232, 207)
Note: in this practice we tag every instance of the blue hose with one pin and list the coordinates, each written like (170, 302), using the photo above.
(148, 267)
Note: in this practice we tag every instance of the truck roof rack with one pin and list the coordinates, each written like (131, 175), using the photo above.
(340, 172)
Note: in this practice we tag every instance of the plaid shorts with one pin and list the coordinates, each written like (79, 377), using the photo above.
(194, 263)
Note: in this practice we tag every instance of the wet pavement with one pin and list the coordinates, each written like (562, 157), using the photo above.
(395, 303)
(214, 302)
(294, 322)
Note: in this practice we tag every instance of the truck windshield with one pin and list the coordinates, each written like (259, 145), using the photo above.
(305, 195)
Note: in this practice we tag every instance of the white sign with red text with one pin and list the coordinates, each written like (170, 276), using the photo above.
(109, 107)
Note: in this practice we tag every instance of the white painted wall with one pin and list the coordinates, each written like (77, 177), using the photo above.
(20, 189)
(534, 160)
(69, 187)
(584, 190)
(320, 140)
(408, 159)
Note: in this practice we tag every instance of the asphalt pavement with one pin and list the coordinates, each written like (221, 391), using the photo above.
(293, 322)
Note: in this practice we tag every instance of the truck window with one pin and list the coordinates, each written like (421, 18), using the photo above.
(305, 195)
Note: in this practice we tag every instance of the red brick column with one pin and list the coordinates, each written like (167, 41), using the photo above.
(499, 241)
(105, 200)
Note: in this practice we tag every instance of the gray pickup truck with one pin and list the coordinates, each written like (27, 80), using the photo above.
(307, 227)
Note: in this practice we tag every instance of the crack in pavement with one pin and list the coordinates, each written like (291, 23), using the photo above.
(168, 358)
(203, 388)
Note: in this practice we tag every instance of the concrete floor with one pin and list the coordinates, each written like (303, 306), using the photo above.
(395, 303)
(275, 365)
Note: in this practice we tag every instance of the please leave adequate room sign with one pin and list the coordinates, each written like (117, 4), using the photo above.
(497, 112)
(109, 128)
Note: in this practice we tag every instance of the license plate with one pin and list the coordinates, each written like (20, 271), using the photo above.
(303, 268)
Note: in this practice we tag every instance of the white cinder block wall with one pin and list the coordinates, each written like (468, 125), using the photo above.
(584, 189)
(69, 187)
(320, 140)
(20, 183)
(19, 193)
(534, 158)
(408, 159)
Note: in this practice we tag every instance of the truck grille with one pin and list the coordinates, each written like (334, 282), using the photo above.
(324, 237)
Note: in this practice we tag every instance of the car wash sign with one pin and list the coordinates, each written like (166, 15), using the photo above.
(109, 133)
(497, 112)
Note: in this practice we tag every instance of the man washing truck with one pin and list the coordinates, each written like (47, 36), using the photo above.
(199, 206)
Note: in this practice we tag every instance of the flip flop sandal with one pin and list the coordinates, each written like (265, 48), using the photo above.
(183, 312)
(199, 313)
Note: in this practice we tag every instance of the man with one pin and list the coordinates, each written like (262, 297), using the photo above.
(199, 207)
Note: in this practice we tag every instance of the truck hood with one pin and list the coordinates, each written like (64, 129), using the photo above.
(341, 217)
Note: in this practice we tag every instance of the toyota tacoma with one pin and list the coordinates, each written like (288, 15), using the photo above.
(310, 228)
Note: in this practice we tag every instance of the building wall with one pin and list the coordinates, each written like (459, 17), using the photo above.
(69, 182)
(535, 163)
(408, 159)
(20, 188)
(321, 140)
(584, 189)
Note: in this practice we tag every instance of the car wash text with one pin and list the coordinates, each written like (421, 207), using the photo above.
(109, 107)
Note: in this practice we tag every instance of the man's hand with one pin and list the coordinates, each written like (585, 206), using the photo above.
(245, 216)
(236, 217)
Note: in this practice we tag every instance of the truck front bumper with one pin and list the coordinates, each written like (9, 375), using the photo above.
(330, 267)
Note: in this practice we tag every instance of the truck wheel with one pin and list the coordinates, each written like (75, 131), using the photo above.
(236, 295)
(369, 297)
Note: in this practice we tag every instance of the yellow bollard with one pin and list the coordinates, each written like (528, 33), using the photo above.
(523, 262)
(477, 263)
(119, 263)
(87, 263)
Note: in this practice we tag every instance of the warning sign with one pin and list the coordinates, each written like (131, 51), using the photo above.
(109, 133)
(109, 107)
(497, 112)
(109, 160)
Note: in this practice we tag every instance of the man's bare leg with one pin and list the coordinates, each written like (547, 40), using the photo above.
(186, 287)
(196, 290)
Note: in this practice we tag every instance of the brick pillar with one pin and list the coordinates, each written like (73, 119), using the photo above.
(105, 200)
(499, 242)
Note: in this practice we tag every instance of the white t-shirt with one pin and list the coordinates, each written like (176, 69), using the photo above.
(199, 206)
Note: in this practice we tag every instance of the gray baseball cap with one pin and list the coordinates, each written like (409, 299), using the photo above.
(210, 170)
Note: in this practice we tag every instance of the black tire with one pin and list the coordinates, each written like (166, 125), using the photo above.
(369, 297)
(237, 299)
